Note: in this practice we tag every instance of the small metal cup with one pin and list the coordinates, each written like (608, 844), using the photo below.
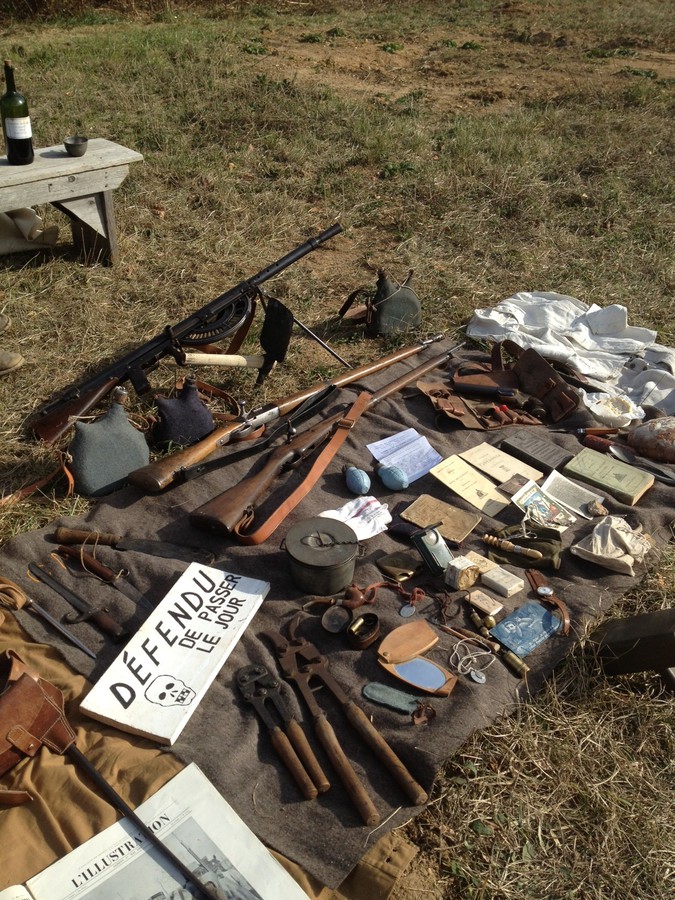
(76, 145)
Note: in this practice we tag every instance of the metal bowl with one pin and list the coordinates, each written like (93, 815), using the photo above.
(76, 146)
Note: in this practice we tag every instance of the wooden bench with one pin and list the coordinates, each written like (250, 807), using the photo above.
(81, 187)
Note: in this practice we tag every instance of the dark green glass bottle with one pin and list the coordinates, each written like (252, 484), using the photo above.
(15, 122)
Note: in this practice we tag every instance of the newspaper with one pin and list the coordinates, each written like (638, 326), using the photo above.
(202, 830)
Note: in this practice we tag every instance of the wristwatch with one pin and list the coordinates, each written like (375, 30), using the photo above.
(546, 594)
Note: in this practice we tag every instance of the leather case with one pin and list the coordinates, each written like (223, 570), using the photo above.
(31, 715)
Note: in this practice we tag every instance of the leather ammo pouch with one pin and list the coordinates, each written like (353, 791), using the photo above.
(538, 378)
(31, 716)
(485, 379)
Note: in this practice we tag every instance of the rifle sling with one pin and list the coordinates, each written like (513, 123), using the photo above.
(338, 437)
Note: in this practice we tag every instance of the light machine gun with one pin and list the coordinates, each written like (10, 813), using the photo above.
(225, 315)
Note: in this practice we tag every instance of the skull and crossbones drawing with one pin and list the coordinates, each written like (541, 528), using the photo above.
(167, 690)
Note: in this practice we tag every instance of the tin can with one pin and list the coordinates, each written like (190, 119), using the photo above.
(322, 555)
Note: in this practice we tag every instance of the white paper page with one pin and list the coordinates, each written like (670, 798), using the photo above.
(197, 825)
(408, 450)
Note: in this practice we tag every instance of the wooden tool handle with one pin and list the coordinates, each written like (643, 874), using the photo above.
(371, 736)
(106, 623)
(89, 562)
(343, 767)
(74, 536)
(290, 759)
(300, 744)
(222, 359)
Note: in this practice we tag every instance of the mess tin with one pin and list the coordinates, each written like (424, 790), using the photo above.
(322, 555)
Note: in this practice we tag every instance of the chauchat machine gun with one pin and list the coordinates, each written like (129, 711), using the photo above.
(230, 313)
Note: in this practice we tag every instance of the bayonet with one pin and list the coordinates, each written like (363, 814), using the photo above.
(102, 618)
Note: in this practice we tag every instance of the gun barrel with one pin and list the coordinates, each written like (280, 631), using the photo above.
(52, 422)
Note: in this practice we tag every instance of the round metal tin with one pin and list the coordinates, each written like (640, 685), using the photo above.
(322, 555)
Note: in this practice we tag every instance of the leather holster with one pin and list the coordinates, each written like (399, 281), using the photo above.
(538, 378)
(31, 716)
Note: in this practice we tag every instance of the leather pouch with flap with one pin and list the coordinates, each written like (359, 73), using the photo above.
(538, 378)
(31, 715)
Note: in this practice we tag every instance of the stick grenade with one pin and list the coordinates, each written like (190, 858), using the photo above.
(493, 541)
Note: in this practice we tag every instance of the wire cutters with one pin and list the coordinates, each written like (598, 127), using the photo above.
(301, 662)
(258, 686)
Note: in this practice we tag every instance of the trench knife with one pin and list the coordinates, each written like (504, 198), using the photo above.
(99, 616)
(118, 542)
(117, 580)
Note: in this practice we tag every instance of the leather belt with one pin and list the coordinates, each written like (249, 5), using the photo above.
(546, 594)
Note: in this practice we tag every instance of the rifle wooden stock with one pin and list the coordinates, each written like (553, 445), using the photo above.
(237, 504)
(160, 474)
(50, 428)
(233, 510)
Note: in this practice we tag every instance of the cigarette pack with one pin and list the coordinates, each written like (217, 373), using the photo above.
(502, 581)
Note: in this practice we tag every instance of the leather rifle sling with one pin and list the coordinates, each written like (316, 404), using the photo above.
(338, 437)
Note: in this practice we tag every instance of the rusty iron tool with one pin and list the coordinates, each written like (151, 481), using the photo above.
(301, 662)
(257, 686)
(86, 611)
(117, 579)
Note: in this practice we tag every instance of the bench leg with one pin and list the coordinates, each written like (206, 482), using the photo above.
(92, 221)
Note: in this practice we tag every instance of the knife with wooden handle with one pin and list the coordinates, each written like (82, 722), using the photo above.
(154, 548)
(89, 563)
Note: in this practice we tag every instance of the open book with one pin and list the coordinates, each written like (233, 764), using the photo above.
(202, 830)
(157, 681)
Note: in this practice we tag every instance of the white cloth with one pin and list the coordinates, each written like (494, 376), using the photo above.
(595, 341)
(614, 545)
(365, 515)
(22, 229)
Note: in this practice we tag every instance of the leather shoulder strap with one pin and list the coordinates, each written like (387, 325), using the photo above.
(342, 429)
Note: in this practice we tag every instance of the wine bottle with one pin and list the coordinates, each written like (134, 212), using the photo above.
(15, 122)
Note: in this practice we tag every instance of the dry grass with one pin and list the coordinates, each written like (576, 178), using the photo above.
(490, 146)
(571, 797)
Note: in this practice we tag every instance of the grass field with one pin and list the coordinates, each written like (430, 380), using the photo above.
(491, 147)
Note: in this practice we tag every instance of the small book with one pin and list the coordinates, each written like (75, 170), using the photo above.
(155, 684)
(523, 630)
(537, 451)
(623, 482)
(452, 523)
(499, 465)
(471, 485)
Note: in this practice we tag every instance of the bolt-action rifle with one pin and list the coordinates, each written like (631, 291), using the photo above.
(225, 315)
(233, 511)
(159, 474)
